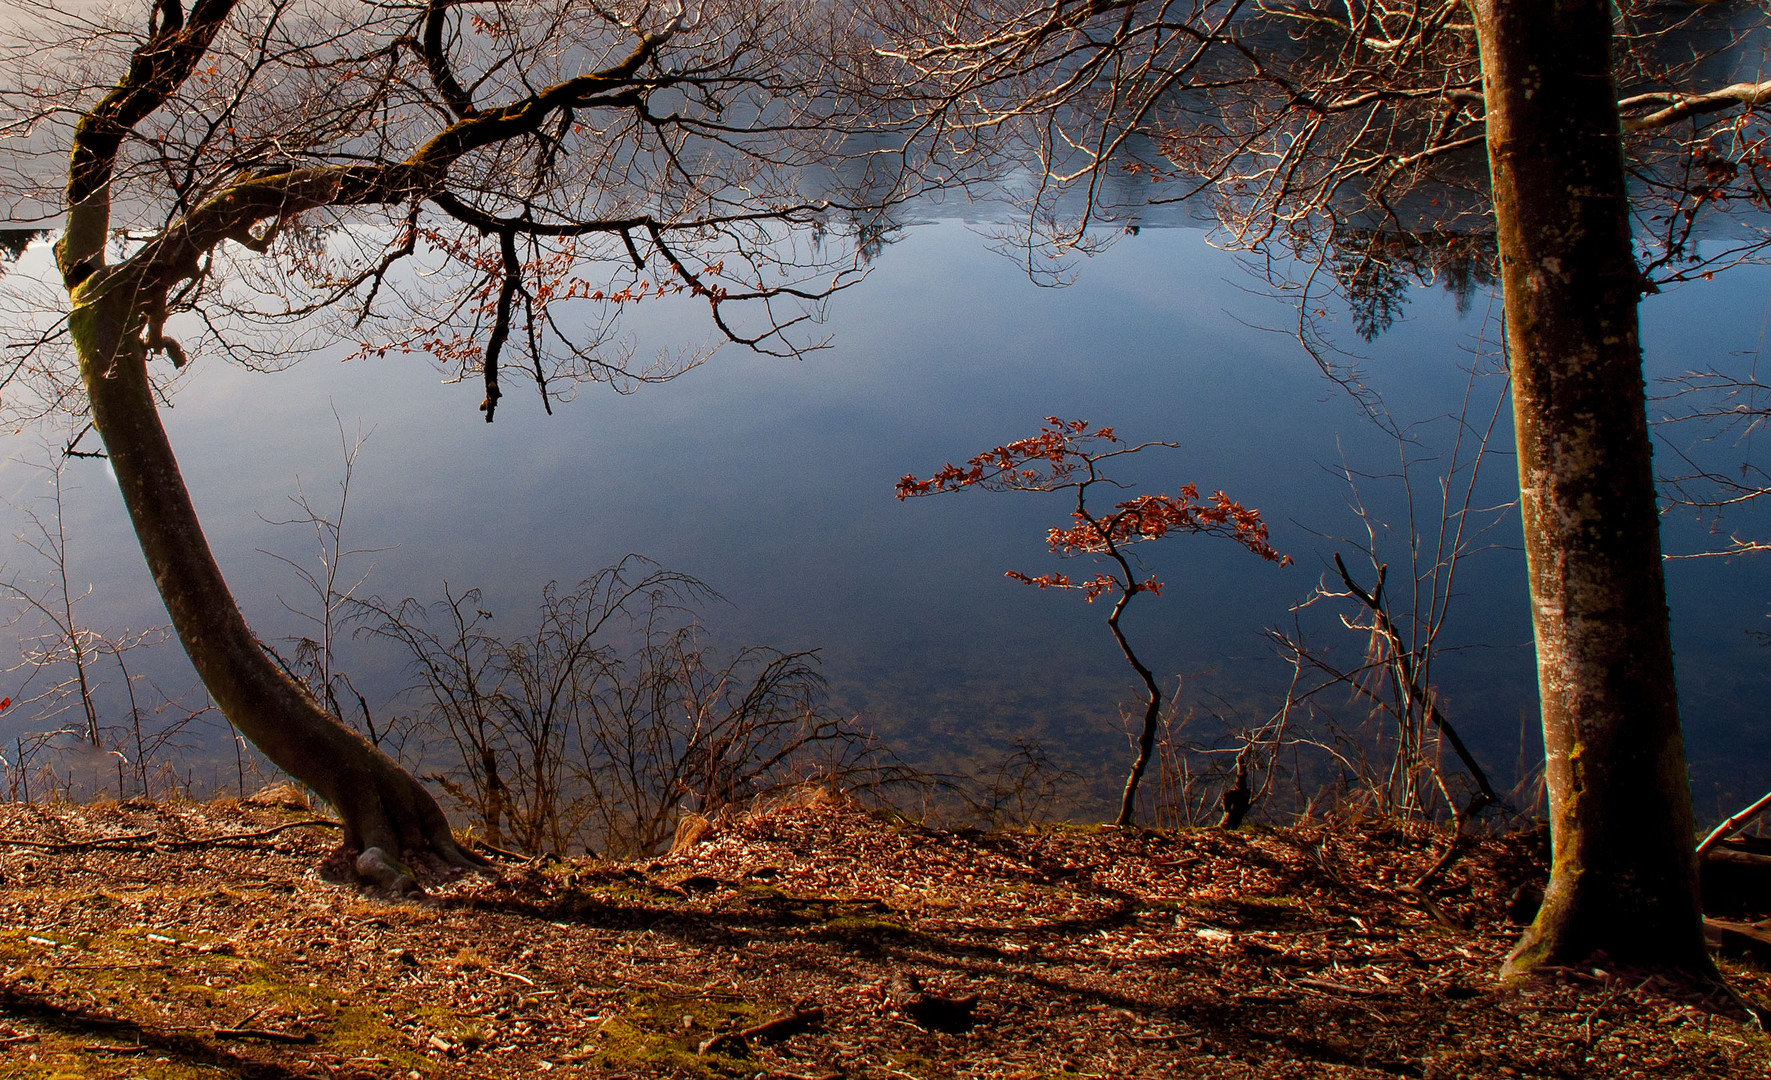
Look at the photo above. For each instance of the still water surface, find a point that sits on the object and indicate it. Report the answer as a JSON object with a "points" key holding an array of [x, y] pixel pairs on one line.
{"points": [[772, 481]]}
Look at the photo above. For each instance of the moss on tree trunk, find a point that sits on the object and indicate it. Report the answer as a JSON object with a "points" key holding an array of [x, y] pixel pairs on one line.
{"points": [[382, 805]]}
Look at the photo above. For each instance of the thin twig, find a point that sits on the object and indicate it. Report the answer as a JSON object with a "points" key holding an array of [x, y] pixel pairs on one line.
{"points": [[235, 838], [151, 839], [1733, 824], [264, 1034], [54, 846], [1406, 674], [786, 1024], [1342, 988]]}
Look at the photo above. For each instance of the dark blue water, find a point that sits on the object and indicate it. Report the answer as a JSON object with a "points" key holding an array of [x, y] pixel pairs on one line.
{"points": [[772, 480]]}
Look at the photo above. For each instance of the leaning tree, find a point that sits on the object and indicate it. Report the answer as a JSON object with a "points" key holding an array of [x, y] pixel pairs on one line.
{"points": [[1302, 124], [488, 182]]}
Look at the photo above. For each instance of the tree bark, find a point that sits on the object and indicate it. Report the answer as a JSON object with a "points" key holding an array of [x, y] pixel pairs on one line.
{"points": [[116, 314], [381, 804], [1623, 884]]}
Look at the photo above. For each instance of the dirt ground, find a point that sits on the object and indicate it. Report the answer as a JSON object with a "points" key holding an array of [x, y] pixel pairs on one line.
{"points": [[810, 940]]}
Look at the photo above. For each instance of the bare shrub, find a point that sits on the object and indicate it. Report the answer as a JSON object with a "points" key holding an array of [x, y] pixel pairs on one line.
{"points": [[1391, 748], [612, 716], [71, 676], [327, 604], [1026, 787]]}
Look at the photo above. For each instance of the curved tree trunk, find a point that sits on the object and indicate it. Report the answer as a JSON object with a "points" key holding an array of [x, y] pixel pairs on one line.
{"points": [[116, 312], [1128, 800], [1623, 886], [381, 804]]}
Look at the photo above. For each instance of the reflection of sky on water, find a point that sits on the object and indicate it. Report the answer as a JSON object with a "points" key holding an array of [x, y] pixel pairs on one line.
{"points": [[772, 481]]}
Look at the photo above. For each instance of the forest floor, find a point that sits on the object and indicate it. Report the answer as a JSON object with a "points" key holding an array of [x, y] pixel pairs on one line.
{"points": [[810, 940]]}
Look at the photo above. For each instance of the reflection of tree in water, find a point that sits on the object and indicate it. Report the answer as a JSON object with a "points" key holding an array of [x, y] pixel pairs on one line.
{"points": [[13, 243], [865, 229], [1376, 267]]}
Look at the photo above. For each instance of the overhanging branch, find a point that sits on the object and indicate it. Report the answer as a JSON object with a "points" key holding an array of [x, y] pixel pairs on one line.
{"points": [[1674, 107]]}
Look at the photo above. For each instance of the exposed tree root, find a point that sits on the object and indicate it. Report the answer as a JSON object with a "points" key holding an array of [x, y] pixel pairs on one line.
{"points": [[1712, 995]]}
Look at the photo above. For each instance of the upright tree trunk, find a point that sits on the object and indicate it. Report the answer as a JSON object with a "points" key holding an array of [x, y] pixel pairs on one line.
{"points": [[382, 805], [1622, 885]]}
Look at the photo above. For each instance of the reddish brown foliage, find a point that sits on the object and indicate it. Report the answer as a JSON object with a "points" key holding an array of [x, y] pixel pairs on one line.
{"points": [[1066, 455]]}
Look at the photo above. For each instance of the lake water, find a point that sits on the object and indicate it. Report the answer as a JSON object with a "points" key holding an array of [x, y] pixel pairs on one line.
{"points": [[772, 481]]}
